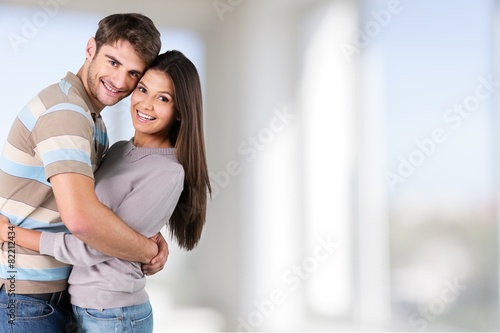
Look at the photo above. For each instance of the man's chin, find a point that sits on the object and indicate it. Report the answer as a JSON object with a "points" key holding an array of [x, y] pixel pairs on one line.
{"points": [[110, 101]]}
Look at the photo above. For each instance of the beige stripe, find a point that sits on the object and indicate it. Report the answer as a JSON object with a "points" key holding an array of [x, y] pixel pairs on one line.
{"points": [[17, 137], [36, 107], [52, 95], [37, 287], [46, 215], [25, 190], [69, 166], [19, 209], [19, 156], [19, 250], [38, 261], [63, 142], [15, 207]]}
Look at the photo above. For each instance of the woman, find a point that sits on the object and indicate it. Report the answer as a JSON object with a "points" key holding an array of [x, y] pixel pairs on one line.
{"points": [[160, 176]]}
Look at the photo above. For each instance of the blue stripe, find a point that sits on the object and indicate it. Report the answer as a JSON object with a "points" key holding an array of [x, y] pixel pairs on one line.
{"points": [[100, 137], [12, 168], [27, 118], [65, 86], [43, 226], [36, 274], [29, 223], [68, 107], [13, 219], [66, 154]]}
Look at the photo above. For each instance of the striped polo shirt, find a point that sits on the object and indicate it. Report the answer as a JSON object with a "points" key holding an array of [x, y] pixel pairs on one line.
{"points": [[56, 132]]}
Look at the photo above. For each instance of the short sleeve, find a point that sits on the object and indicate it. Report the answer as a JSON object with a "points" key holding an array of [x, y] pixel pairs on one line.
{"points": [[63, 139]]}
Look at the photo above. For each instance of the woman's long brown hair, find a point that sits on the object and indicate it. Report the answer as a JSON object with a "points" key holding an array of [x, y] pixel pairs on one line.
{"points": [[187, 135]]}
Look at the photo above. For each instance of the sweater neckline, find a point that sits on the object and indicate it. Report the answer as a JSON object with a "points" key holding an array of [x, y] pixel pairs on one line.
{"points": [[139, 152]]}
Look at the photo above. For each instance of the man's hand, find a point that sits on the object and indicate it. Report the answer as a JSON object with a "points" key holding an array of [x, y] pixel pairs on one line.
{"points": [[158, 262], [4, 229]]}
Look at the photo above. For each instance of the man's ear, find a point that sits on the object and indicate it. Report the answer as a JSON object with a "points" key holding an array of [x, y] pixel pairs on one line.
{"points": [[91, 48]]}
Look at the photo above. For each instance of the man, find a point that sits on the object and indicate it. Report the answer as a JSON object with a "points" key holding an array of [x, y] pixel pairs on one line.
{"points": [[46, 175]]}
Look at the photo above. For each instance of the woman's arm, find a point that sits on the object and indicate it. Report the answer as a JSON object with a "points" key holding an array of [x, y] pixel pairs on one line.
{"points": [[69, 249], [24, 237]]}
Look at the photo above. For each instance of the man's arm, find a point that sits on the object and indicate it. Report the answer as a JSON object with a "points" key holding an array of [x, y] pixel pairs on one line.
{"points": [[94, 223]]}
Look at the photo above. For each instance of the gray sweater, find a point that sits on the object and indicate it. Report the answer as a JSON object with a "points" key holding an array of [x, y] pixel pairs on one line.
{"points": [[142, 186]]}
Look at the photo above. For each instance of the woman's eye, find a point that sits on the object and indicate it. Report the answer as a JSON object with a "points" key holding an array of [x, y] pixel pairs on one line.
{"points": [[163, 99], [141, 89]]}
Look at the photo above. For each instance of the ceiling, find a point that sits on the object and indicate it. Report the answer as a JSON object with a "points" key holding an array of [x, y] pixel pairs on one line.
{"points": [[198, 15]]}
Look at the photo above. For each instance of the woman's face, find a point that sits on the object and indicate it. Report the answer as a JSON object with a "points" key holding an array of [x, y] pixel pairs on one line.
{"points": [[152, 108]]}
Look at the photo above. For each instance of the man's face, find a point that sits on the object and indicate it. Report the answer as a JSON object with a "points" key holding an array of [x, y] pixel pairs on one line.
{"points": [[113, 73]]}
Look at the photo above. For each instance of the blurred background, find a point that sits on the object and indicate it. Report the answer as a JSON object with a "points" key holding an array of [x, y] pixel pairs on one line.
{"points": [[352, 148]]}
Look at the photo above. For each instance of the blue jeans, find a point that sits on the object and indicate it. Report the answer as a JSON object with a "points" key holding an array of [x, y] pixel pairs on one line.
{"points": [[26, 314], [129, 319]]}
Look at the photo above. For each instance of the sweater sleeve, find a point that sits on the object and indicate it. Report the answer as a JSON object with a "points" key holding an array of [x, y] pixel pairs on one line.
{"points": [[70, 250]]}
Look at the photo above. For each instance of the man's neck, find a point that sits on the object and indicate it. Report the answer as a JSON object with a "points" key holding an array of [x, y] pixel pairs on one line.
{"points": [[96, 106]]}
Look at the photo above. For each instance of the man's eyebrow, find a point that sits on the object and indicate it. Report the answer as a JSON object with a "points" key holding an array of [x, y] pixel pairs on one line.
{"points": [[113, 58], [137, 72], [119, 63]]}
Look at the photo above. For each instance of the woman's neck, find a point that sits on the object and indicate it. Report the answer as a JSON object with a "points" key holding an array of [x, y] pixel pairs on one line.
{"points": [[151, 142]]}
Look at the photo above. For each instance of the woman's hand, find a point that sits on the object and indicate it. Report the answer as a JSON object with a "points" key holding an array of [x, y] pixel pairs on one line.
{"points": [[6, 230], [158, 262]]}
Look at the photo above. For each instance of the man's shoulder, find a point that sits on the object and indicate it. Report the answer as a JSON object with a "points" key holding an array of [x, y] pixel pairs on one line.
{"points": [[69, 90]]}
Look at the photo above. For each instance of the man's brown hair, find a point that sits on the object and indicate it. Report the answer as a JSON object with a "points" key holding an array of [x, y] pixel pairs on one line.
{"points": [[137, 29]]}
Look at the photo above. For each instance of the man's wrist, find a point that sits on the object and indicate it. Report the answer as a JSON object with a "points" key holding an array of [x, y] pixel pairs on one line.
{"points": [[151, 250]]}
